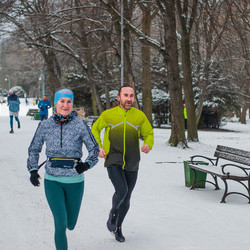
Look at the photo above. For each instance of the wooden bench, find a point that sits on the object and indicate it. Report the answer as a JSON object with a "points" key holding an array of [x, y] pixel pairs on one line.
{"points": [[234, 169], [31, 112]]}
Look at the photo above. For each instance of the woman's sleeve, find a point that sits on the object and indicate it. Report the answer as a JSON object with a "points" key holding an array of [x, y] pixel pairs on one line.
{"points": [[91, 145], [35, 148]]}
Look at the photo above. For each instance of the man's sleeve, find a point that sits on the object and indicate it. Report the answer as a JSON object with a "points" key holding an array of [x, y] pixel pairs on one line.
{"points": [[147, 132], [96, 129]]}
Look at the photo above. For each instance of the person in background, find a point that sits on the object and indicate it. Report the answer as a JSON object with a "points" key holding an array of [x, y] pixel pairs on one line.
{"points": [[26, 101], [185, 115], [64, 134], [14, 106], [44, 105], [123, 126]]}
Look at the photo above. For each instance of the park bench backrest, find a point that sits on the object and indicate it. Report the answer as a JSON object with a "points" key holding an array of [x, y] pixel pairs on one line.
{"points": [[232, 154]]}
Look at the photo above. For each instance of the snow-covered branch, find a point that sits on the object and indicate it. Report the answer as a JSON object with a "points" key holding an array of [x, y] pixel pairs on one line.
{"points": [[142, 36], [69, 51]]}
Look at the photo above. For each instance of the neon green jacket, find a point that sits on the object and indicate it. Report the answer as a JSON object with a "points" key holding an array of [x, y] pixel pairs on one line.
{"points": [[185, 112], [121, 137]]}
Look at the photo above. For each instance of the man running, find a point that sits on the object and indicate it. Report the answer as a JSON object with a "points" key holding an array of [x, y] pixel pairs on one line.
{"points": [[124, 125], [44, 105]]}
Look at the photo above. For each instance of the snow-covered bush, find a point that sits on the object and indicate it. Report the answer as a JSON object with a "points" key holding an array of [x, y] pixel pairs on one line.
{"points": [[19, 91]]}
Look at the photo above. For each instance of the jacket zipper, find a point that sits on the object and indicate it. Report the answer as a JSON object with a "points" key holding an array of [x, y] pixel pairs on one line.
{"points": [[61, 135], [124, 140]]}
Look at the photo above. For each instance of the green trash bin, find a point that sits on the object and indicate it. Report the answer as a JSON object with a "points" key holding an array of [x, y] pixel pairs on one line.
{"points": [[189, 175], [37, 116]]}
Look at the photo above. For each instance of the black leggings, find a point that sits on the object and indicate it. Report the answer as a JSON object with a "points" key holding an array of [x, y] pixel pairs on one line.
{"points": [[124, 183]]}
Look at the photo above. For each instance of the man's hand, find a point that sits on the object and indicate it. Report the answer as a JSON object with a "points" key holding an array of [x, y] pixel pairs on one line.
{"points": [[145, 148], [102, 153]]}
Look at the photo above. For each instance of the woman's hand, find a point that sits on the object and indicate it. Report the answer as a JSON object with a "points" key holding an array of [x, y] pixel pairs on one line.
{"points": [[34, 178], [82, 167]]}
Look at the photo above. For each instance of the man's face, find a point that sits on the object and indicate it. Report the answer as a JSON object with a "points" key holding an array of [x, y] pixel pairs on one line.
{"points": [[126, 98], [44, 98]]}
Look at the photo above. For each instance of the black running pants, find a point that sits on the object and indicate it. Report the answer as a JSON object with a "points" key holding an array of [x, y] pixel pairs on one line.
{"points": [[124, 183]]}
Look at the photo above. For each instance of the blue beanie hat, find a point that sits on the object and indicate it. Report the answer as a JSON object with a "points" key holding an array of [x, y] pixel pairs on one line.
{"points": [[63, 93]]}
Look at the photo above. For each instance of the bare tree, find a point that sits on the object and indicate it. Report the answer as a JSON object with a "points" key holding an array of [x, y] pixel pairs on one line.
{"points": [[208, 33], [147, 18], [31, 33], [114, 8], [186, 12], [239, 15], [170, 55]]}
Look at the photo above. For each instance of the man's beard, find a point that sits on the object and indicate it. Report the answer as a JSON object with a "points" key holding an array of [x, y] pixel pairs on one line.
{"points": [[124, 105]]}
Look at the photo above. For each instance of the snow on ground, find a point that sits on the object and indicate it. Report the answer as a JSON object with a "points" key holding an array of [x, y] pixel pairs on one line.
{"points": [[164, 213]]}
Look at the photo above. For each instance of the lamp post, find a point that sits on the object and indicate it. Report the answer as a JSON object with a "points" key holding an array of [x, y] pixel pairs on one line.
{"points": [[7, 79], [41, 82], [122, 46]]}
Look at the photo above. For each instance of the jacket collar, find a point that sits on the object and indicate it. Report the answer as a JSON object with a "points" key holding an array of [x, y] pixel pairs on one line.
{"points": [[123, 111]]}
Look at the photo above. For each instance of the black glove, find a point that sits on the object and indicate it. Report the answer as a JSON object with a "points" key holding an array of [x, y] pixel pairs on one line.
{"points": [[41, 108], [81, 167], [34, 176]]}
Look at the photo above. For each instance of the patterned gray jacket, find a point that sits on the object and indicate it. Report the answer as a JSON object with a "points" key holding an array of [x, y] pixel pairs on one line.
{"points": [[62, 141]]}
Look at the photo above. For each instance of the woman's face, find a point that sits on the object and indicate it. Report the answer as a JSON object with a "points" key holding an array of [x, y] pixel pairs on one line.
{"points": [[64, 106]]}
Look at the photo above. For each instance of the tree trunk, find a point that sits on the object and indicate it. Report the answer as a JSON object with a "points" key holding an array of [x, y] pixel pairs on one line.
{"points": [[186, 27], [108, 103], [188, 90], [171, 58], [93, 97], [146, 74], [96, 100], [107, 78], [128, 72], [243, 114], [54, 71]]}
